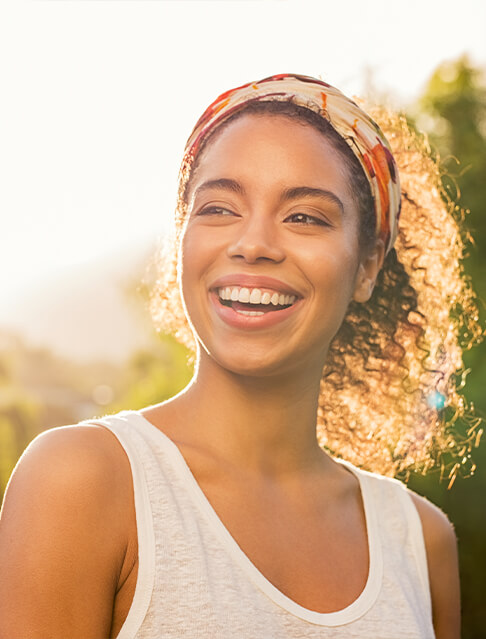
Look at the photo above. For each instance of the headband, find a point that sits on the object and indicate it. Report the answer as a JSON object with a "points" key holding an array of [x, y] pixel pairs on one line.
{"points": [[362, 134]]}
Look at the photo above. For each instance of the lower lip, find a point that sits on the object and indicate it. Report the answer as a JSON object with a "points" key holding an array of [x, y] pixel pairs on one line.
{"points": [[250, 322]]}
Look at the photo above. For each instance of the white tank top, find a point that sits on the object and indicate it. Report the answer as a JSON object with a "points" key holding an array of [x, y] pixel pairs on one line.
{"points": [[194, 581]]}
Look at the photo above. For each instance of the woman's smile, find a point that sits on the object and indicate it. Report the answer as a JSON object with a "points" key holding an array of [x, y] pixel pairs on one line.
{"points": [[252, 302], [270, 249]]}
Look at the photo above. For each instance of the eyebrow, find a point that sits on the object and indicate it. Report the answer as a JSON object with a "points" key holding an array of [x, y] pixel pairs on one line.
{"points": [[309, 191], [223, 184], [293, 193]]}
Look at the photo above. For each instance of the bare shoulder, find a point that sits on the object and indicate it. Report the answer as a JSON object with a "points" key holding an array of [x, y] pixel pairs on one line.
{"points": [[438, 530], [442, 561], [64, 534], [71, 462], [73, 471]]}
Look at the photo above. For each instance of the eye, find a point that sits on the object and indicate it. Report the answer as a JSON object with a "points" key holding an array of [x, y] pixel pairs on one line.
{"points": [[215, 210], [306, 219]]}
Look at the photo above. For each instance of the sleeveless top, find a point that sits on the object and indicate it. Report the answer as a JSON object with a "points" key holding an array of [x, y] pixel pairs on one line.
{"points": [[194, 581]]}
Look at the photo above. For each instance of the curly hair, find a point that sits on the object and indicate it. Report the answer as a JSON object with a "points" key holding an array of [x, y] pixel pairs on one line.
{"points": [[390, 398]]}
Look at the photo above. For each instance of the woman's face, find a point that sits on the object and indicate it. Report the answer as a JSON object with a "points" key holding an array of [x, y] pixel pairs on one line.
{"points": [[270, 253]]}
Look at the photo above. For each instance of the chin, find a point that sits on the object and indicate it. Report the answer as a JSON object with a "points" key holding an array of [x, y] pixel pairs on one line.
{"points": [[244, 363], [255, 363]]}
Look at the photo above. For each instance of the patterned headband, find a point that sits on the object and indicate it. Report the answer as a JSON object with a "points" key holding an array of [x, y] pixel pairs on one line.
{"points": [[363, 135]]}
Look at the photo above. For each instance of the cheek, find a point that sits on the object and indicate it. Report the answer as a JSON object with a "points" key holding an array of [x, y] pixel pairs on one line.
{"points": [[335, 259], [195, 258], [187, 266], [334, 281], [191, 250]]}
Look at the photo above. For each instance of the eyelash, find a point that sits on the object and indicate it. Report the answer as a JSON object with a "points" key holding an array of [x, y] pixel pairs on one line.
{"points": [[214, 210], [310, 219], [313, 219]]}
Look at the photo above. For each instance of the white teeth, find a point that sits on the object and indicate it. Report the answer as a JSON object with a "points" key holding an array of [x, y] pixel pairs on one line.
{"points": [[251, 313], [244, 295], [254, 296]]}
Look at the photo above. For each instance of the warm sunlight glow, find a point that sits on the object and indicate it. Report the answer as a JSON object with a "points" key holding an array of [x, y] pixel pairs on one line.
{"points": [[100, 98]]}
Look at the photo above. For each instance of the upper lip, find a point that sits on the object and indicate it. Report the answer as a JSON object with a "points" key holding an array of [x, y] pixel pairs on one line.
{"points": [[254, 281]]}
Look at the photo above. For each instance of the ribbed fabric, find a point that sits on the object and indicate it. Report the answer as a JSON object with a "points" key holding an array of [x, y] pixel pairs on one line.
{"points": [[194, 582]]}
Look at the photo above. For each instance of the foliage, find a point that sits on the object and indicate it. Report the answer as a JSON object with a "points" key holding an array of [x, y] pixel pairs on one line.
{"points": [[39, 390], [154, 376], [452, 110]]}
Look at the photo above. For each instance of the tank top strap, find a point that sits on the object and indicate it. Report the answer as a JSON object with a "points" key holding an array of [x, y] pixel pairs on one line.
{"points": [[398, 520], [417, 540], [124, 428]]}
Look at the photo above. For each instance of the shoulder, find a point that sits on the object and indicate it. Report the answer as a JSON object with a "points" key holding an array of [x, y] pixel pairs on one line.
{"points": [[438, 531], [64, 533], [441, 553], [75, 460], [78, 475], [439, 537], [442, 562]]}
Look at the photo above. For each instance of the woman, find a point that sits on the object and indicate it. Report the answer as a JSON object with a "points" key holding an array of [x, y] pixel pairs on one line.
{"points": [[217, 513]]}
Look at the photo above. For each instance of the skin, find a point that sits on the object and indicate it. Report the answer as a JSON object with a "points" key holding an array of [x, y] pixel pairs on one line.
{"points": [[246, 423]]}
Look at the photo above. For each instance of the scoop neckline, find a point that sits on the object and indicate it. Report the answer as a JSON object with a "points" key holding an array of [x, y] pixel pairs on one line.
{"points": [[352, 611]]}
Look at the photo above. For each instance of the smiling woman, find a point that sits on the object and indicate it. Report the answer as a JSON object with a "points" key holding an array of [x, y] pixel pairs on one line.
{"points": [[220, 511]]}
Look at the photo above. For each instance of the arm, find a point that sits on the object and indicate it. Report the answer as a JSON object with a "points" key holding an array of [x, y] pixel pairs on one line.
{"points": [[441, 548], [63, 536]]}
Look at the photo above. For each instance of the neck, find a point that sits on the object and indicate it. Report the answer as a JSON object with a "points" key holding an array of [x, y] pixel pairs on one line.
{"points": [[262, 424]]}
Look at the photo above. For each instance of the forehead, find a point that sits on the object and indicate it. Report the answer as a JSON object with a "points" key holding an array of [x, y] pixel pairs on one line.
{"points": [[274, 147]]}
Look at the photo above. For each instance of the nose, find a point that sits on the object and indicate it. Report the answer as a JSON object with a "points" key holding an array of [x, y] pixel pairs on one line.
{"points": [[256, 241]]}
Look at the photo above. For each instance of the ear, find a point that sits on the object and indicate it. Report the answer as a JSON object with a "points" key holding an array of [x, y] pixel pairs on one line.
{"points": [[368, 270]]}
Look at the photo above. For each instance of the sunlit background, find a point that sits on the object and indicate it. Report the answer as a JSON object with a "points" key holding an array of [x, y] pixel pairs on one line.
{"points": [[98, 98]]}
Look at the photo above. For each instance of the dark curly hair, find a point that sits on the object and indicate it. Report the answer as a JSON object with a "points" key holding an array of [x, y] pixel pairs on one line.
{"points": [[390, 386]]}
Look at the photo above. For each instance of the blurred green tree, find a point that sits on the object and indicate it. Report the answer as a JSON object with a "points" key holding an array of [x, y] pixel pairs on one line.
{"points": [[452, 111], [8, 451], [154, 375]]}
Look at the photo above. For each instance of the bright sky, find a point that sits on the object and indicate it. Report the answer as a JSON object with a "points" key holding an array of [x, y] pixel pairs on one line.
{"points": [[98, 97]]}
